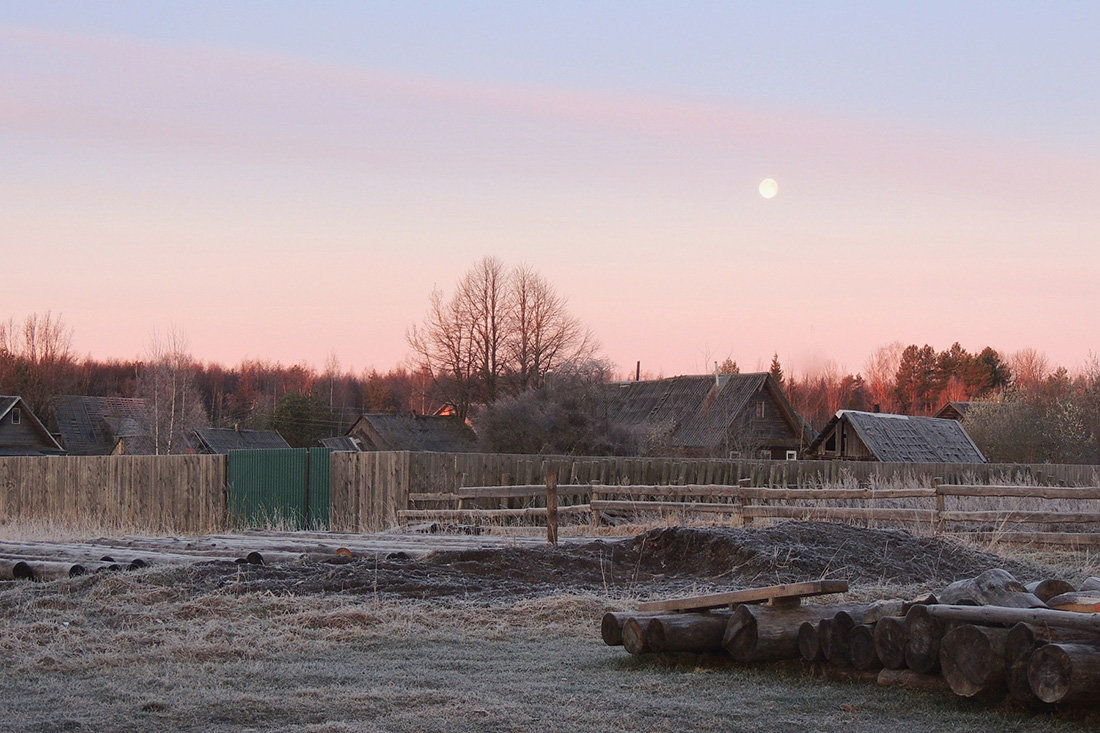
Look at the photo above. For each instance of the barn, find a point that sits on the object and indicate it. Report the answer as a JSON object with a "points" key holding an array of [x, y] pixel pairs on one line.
{"points": [[438, 433], [21, 433], [722, 415], [873, 436]]}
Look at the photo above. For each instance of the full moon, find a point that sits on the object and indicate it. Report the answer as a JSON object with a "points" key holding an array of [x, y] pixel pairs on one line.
{"points": [[769, 188]]}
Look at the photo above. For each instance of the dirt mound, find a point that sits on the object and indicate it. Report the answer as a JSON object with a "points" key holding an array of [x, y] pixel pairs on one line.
{"points": [[659, 562], [796, 551]]}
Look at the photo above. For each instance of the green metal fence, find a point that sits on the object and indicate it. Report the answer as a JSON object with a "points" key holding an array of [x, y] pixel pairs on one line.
{"points": [[279, 488]]}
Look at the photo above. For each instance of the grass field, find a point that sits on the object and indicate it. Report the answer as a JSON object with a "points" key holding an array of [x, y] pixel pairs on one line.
{"points": [[149, 651]]}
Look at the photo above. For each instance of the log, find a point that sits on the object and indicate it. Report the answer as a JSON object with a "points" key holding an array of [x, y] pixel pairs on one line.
{"points": [[825, 637], [972, 660], [687, 632], [911, 680], [890, 607], [861, 648], [836, 651], [923, 633], [1086, 622], [634, 635], [996, 587], [890, 638], [1022, 641], [1079, 601], [611, 626], [1091, 583], [768, 633], [15, 570], [1046, 589], [809, 646], [46, 571], [1065, 672]]}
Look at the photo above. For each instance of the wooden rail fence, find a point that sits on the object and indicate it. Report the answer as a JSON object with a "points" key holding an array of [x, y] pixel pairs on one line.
{"points": [[741, 505]]}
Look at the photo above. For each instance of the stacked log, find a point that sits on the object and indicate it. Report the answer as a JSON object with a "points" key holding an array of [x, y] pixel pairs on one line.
{"points": [[997, 642]]}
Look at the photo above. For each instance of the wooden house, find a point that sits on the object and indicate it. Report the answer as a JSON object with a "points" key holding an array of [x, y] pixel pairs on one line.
{"points": [[100, 426], [223, 440], [22, 433], [437, 433], [729, 415], [953, 410], [873, 436]]}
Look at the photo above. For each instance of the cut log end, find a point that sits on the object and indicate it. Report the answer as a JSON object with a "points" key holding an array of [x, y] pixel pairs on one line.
{"points": [[890, 641]]}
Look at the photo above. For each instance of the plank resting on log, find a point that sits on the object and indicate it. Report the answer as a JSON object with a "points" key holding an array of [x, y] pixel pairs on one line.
{"points": [[749, 595]]}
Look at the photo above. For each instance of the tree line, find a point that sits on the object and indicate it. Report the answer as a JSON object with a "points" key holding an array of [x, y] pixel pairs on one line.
{"points": [[502, 350]]}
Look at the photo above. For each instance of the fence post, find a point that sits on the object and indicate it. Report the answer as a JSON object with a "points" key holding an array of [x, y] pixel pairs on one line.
{"points": [[594, 495], [937, 526], [552, 506], [743, 484]]}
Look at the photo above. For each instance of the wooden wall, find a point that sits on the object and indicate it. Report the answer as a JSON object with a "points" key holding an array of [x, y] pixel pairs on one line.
{"points": [[183, 494], [369, 488]]}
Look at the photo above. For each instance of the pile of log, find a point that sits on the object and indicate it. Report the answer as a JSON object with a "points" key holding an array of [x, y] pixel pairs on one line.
{"points": [[987, 637]]}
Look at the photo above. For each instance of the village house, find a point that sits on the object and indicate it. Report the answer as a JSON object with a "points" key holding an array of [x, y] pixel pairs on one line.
{"points": [[22, 433], [223, 440], [436, 433], [721, 415], [100, 426], [874, 436]]}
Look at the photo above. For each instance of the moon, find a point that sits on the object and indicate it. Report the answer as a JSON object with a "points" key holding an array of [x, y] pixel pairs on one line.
{"points": [[769, 188]]}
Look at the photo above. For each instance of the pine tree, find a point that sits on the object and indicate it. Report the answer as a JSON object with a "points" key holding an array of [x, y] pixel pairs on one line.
{"points": [[776, 370]]}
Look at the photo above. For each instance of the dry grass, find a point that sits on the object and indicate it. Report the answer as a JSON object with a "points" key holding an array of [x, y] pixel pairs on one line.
{"points": [[140, 651]]}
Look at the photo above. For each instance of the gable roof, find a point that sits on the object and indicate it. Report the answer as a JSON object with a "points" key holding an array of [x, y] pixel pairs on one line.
{"points": [[9, 403], [696, 411], [88, 425], [908, 438], [435, 433], [340, 443], [223, 440]]}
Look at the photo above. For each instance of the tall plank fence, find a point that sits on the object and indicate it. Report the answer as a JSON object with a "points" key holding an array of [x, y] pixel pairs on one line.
{"points": [[163, 493]]}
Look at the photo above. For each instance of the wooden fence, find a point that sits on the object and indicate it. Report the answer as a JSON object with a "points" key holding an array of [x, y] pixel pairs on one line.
{"points": [[160, 493], [740, 505], [369, 489]]}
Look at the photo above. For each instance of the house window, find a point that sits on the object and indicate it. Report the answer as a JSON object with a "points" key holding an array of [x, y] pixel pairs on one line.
{"points": [[792, 455], [760, 408], [15, 416]]}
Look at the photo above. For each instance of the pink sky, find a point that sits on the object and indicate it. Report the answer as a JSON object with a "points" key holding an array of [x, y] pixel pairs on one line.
{"points": [[283, 208]]}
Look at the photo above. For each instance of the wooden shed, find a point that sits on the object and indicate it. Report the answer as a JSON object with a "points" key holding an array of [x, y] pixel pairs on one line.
{"points": [[22, 433], [727, 415], [872, 436], [438, 433]]}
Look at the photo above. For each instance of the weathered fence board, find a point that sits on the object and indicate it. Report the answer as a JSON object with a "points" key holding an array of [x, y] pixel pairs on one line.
{"points": [[163, 493]]}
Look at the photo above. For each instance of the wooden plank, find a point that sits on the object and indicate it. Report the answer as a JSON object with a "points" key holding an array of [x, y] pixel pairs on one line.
{"points": [[657, 506], [524, 491], [1027, 492], [416, 496], [1022, 516], [750, 595], [724, 491], [457, 514], [823, 512]]}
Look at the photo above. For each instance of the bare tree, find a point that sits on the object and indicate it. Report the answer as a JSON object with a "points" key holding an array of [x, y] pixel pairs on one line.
{"points": [[444, 353], [483, 295], [879, 374], [1030, 368], [36, 358], [167, 384], [541, 332]]}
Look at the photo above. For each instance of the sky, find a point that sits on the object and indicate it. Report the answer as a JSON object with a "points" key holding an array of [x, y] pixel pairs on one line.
{"points": [[290, 180]]}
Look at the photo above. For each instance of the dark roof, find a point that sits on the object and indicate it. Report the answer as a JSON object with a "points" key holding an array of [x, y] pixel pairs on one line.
{"points": [[436, 433], [87, 425], [951, 409], [694, 411], [49, 443], [907, 438], [340, 443], [223, 440]]}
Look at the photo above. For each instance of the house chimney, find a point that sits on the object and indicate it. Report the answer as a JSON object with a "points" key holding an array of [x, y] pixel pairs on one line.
{"points": [[877, 407], [638, 372], [716, 384]]}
